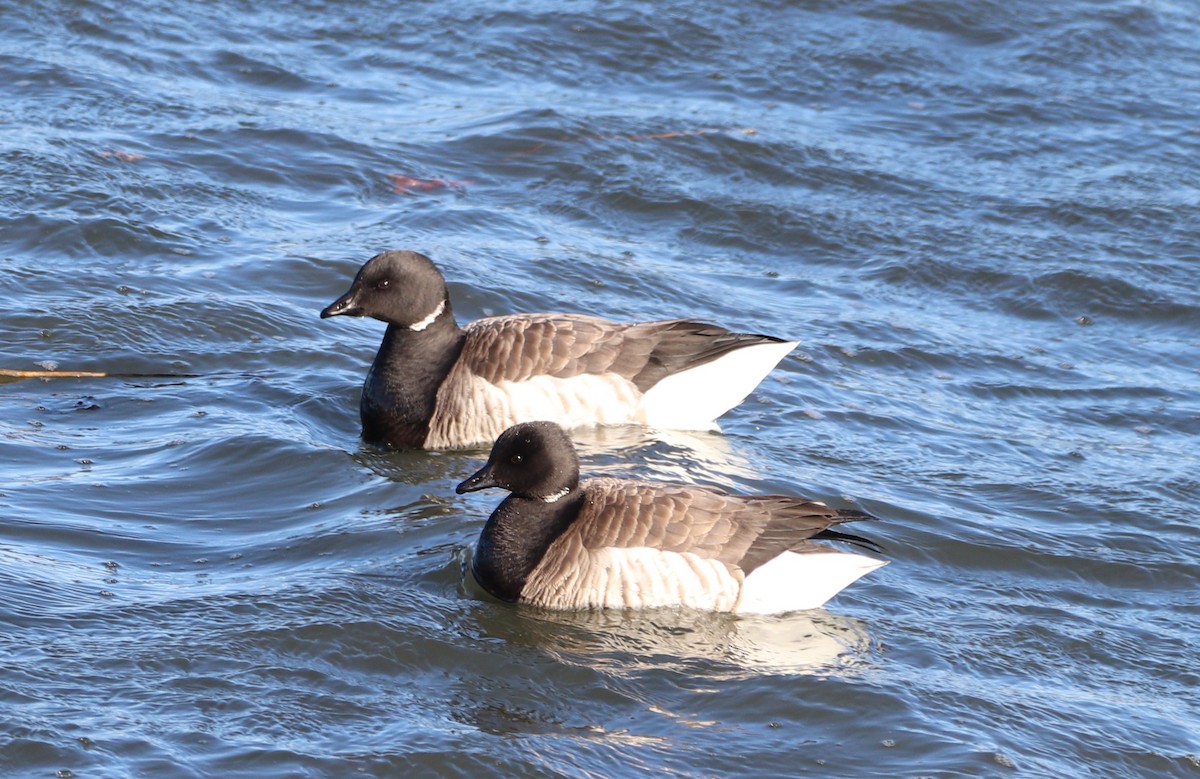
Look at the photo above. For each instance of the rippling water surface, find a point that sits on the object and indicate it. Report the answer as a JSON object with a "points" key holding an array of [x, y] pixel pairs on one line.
{"points": [[981, 220]]}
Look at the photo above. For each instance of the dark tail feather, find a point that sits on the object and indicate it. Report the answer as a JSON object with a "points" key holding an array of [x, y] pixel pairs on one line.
{"points": [[850, 515], [850, 538]]}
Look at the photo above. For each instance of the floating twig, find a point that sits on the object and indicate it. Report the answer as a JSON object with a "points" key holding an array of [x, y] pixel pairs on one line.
{"points": [[10, 373], [13, 374]]}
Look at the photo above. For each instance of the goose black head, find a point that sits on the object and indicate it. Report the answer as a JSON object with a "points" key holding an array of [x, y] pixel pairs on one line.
{"points": [[530, 460], [402, 288]]}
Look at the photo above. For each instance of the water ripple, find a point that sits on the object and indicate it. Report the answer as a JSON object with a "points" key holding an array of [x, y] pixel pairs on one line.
{"points": [[978, 219]]}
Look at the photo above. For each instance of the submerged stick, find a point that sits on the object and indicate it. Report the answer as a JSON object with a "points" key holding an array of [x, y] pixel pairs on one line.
{"points": [[679, 134]]}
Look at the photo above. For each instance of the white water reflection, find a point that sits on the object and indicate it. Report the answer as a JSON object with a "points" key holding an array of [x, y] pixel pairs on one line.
{"points": [[685, 456], [708, 644]]}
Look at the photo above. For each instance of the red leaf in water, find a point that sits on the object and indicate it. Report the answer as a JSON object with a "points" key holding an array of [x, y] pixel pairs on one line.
{"points": [[123, 156], [404, 185]]}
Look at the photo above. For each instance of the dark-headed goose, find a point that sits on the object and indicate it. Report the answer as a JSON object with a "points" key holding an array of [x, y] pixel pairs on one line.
{"points": [[436, 385], [561, 543]]}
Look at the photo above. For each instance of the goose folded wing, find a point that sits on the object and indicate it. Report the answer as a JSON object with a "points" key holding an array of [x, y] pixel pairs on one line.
{"points": [[516, 348], [521, 347], [740, 531], [680, 344]]}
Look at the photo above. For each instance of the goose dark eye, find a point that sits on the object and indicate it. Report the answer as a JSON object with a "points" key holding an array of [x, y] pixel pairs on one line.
{"points": [[515, 459], [382, 284]]}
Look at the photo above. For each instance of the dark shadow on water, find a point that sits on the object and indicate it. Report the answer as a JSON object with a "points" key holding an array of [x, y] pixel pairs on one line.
{"points": [[413, 466]]}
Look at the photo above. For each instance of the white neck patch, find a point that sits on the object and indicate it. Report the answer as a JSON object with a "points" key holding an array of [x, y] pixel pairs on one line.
{"points": [[427, 321], [557, 496]]}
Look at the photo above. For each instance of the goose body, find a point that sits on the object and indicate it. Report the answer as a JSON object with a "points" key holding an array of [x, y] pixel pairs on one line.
{"points": [[436, 385], [562, 543]]}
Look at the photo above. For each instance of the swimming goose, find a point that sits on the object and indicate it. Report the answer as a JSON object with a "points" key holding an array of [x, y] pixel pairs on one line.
{"points": [[436, 385], [561, 543]]}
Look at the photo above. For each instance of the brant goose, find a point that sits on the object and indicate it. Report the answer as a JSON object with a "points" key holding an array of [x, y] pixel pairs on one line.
{"points": [[436, 385], [561, 543]]}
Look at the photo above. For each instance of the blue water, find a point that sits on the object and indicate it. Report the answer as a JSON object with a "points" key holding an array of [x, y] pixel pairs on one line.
{"points": [[980, 219]]}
